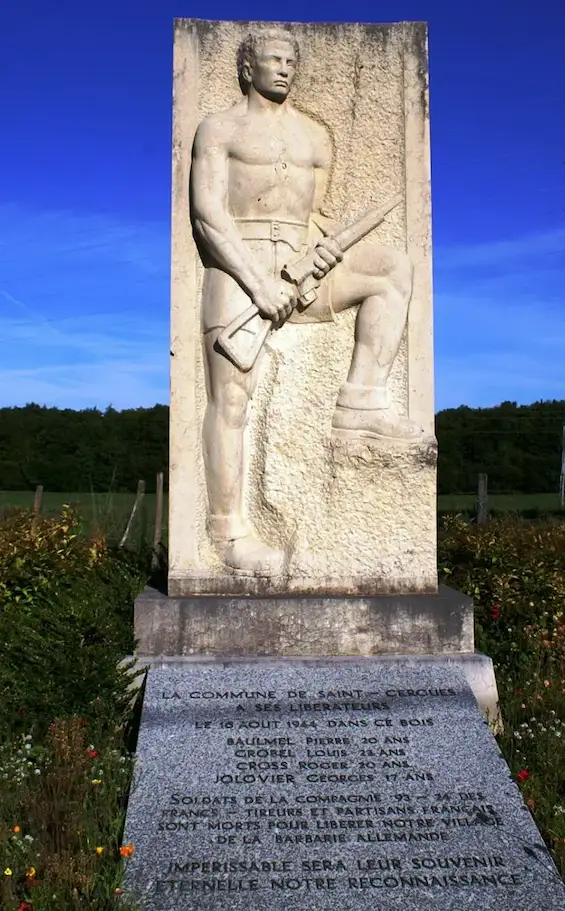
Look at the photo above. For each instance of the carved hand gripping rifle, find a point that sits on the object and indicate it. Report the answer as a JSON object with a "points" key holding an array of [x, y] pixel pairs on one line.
{"points": [[244, 337]]}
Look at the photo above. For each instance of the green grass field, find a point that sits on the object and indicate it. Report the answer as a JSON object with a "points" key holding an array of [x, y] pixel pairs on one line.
{"points": [[110, 511], [512, 502]]}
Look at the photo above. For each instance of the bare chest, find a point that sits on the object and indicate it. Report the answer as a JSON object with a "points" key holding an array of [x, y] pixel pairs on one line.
{"points": [[267, 144]]}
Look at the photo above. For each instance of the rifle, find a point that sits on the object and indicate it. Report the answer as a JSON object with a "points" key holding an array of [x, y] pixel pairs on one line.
{"points": [[243, 347]]}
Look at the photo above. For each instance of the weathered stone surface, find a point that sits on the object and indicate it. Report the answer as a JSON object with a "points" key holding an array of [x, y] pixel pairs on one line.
{"points": [[437, 623], [330, 785], [346, 515]]}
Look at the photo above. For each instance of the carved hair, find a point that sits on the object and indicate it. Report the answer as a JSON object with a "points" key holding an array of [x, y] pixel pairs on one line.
{"points": [[249, 49]]}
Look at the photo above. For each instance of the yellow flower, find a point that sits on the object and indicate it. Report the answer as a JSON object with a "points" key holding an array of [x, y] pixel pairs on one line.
{"points": [[30, 872], [16, 829], [7, 872], [99, 851], [96, 781]]}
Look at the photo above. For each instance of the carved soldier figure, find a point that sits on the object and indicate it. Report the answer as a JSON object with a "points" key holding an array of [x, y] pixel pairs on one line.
{"points": [[259, 176]]}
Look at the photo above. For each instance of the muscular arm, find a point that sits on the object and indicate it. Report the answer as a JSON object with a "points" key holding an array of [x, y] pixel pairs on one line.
{"points": [[322, 165], [212, 221], [328, 251]]}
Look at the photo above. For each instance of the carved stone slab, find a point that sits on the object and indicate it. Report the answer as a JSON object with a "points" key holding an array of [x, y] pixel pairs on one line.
{"points": [[347, 515], [327, 785]]}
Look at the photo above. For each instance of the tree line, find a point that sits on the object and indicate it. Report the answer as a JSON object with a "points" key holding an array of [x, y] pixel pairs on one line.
{"points": [[518, 446]]}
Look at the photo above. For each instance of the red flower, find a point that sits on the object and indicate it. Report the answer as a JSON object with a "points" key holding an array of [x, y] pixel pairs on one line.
{"points": [[93, 754], [25, 906], [495, 611], [523, 775]]}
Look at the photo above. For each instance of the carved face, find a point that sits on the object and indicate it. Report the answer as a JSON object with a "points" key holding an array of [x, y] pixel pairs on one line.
{"points": [[273, 70]]}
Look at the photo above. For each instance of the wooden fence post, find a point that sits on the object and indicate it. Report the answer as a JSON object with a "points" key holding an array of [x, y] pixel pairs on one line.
{"points": [[37, 499], [36, 507], [158, 530], [138, 499], [482, 500]]}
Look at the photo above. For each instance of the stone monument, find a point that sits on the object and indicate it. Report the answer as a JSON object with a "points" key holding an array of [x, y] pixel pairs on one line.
{"points": [[310, 735], [302, 448], [302, 492]]}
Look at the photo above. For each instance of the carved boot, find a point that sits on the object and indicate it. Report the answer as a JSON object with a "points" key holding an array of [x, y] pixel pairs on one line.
{"points": [[364, 411], [239, 549]]}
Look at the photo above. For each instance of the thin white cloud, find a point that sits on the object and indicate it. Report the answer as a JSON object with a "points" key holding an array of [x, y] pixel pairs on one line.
{"points": [[500, 322], [119, 385], [487, 379], [85, 367], [502, 252], [84, 314]]}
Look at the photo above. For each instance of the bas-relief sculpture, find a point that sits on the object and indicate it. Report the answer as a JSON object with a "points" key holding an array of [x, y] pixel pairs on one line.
{"points": [[258, 181]]}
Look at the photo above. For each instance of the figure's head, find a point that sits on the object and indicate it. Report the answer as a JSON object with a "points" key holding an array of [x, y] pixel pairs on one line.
{"points": [[268, 60]]}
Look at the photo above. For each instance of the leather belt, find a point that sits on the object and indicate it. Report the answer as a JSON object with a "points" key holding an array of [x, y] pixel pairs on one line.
{"points": [[293, 233]]}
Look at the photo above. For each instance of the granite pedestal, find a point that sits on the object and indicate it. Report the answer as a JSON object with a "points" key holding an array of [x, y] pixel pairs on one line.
{"points": [[425, 624], [346, 784], [438, 625]]}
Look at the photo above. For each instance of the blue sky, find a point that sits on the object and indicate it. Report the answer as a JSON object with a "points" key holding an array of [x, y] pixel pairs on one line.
{"points": [[85, 95]]}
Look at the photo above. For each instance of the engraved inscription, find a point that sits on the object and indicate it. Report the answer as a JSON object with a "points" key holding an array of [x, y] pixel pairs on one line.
{"points": [[333, 791]]}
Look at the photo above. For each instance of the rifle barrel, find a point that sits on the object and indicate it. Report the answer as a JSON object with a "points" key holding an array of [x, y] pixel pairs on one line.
{"points": [[359, 229]]}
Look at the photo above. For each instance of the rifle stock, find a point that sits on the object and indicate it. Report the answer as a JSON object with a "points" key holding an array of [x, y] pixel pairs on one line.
{"points": [[243, 347]]}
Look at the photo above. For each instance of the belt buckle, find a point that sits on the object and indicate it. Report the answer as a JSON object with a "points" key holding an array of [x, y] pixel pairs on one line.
{"points": [[275, 230]]}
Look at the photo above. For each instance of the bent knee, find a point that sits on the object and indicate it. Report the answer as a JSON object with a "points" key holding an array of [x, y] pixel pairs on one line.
{"points": [[400, 270], [232, 405], [389, 265]]}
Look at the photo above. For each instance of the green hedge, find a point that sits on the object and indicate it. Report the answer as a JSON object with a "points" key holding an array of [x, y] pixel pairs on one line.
{"points": [[515, 572], [66, 604]]}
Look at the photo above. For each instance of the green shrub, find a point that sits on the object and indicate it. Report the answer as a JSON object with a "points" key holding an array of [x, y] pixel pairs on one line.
{"points": [[515, 572], [65, 712], [65, 623]]}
